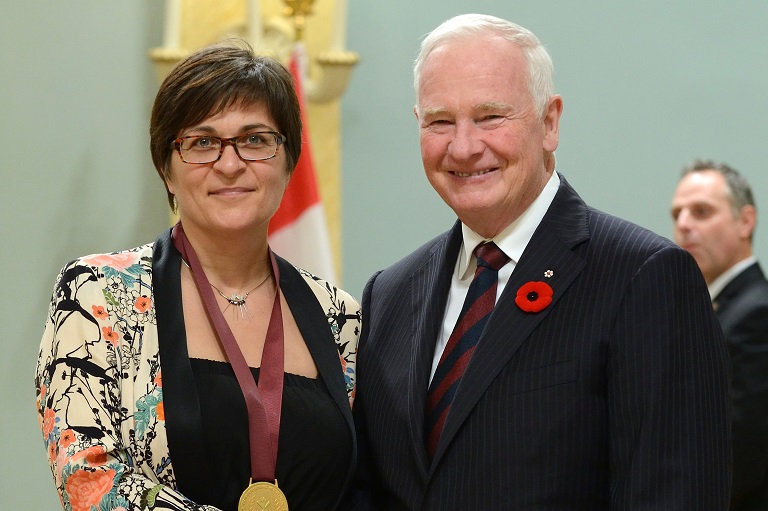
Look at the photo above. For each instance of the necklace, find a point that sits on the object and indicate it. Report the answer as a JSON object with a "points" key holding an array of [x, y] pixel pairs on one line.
{"points": [[263, 398], [236, 299], [239, 300]]}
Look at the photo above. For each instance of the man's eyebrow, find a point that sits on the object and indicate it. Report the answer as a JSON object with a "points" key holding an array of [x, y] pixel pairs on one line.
{"points": [[493, 106], [432, 111]]}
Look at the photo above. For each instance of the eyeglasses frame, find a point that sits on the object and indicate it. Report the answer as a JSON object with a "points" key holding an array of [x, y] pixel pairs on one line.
{"points": [[279, 140]]}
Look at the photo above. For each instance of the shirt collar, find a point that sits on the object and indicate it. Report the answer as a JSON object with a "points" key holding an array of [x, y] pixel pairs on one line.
{"points": [[728, 275], [515, 237]]}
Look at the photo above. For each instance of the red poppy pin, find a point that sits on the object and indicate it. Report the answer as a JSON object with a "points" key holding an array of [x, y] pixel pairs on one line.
{"points": [[534, 296]]}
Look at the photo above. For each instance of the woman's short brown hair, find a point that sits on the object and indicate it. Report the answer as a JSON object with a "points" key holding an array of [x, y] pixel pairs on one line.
{"points": [[213, 79]]}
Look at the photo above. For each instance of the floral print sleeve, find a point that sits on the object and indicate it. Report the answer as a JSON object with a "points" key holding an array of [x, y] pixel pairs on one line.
{"points": [[99, 388], [344, 316]]}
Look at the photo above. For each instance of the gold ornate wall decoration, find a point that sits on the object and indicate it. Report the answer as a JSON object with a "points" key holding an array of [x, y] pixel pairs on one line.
{"points": [[273, 27]]}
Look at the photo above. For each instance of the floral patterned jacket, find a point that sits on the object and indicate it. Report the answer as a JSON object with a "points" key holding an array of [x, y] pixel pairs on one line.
{"points": [[101, 385]]}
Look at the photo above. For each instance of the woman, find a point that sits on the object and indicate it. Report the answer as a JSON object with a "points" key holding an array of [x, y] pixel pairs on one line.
{"points": [[146, 378]]}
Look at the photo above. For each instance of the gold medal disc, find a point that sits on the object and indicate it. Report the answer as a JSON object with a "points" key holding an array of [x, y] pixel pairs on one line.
{"points": [[262, 497]]}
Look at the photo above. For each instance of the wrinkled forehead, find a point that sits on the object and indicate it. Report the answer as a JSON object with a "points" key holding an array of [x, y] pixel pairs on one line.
{"points": [[485, 58]]}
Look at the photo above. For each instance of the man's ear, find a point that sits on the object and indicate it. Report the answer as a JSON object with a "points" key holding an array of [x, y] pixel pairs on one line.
{"points": [[552, 123], [747, 221]]}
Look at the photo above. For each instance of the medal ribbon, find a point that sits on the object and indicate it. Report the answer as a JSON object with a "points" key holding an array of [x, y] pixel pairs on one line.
{"points": [[263, 400]]}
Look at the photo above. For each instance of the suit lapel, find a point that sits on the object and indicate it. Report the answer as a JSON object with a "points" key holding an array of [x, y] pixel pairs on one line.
{"points": [[428, 294], [752, 273], [550, 248]]}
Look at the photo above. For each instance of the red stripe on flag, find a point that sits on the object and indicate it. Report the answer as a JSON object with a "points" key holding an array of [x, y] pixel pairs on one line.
{"points": [[302, 191]]}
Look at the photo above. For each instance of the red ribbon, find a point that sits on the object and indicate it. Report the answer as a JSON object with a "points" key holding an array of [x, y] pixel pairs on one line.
{"points": [[263, 400]]}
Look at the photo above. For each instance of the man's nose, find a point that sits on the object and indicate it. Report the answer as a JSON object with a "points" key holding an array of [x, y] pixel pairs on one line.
{"points": [[467, 141], [683, 220]]}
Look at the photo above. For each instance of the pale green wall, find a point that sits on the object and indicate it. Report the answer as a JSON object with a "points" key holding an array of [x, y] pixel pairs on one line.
{"points": [[647, 86], [75, 92]]}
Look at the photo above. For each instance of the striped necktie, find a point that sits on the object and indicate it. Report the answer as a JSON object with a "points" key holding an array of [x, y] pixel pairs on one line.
{"points": [[478, 305]]}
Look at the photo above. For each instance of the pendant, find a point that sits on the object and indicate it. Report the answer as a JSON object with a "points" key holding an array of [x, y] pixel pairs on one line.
{"points": [[239, 302], [262, 496]]}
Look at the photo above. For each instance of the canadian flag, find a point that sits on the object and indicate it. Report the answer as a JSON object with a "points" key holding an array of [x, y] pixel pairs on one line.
{"points": [[298, 231]]}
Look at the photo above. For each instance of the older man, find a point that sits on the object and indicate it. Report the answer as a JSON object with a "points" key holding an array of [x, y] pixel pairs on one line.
{"points": [[715, 217], [539, 355]]}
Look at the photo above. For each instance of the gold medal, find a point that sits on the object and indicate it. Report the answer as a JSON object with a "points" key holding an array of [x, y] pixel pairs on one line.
{"points": [[262, 497]]}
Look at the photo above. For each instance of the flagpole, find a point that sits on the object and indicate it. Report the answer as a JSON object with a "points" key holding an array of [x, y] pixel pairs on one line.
{"points": [[172, 34], [339, 26], [254, 23]]}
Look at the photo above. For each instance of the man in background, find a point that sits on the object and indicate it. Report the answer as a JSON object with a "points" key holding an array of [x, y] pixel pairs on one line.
{"points": [[715, 218], [540, 354]]}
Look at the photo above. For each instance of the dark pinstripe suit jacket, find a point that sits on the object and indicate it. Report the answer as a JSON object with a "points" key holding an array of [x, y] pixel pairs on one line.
{"points": [[742, 308], [613, 397]]}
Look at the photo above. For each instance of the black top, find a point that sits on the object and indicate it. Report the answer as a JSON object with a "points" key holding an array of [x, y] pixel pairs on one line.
{"points": [[187, 413], [313, 451]]}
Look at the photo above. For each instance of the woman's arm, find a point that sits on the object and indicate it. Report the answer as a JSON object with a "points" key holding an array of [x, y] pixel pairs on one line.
{"points": [[99, 398]]}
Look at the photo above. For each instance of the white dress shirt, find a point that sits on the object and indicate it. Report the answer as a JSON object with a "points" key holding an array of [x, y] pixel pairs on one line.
{"points": [[512, 241], [728, 275]]}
